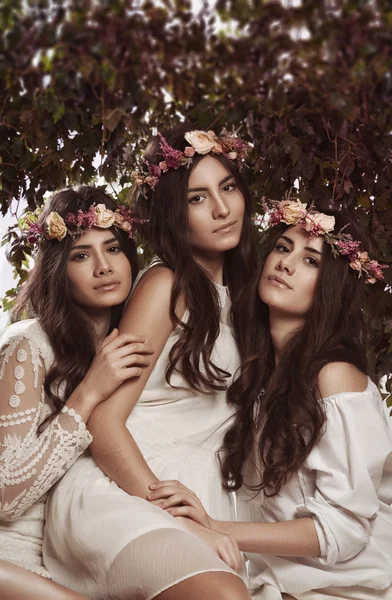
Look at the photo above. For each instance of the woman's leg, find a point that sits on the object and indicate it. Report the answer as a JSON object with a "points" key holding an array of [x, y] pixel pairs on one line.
{"points": [[208, 586], [171, 564], [17, 583]]}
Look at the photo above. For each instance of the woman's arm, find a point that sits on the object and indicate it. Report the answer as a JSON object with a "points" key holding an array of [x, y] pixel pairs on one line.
{"points": [[30, 463], [114, 449], [287, 538]]}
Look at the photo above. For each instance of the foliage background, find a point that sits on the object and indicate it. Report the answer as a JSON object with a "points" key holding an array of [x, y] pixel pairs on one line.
{"points": [[83, 82]]}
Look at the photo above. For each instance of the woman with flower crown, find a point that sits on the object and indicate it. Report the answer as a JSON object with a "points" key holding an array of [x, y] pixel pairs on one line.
{"points": [[197, 209], [310, 451], [57, 366]]}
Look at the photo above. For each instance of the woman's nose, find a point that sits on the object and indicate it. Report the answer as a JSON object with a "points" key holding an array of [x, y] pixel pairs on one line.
{"points": [[221, 210], [286, 264]]}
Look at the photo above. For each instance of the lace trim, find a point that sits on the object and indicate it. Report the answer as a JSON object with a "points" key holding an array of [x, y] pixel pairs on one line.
{"points": [[22, 553], [15, 418], [223, 293]]}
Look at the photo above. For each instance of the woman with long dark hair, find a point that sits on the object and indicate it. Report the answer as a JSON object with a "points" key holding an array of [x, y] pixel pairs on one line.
{"points": [[57, 365], [196, 209], [310, 452]]}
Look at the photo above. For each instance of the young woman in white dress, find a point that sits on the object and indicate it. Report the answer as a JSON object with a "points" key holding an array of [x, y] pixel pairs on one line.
{"points": [[172, 421], [317, 488], [56, 367]]}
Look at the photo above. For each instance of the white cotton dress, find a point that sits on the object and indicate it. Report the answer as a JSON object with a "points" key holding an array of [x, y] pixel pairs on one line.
{"points": [[345, 486], [30, 463], [104, 543]]}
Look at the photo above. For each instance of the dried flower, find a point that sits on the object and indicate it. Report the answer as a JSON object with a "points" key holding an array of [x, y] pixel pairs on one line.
{"points": [[292, 212], [105, 217], [56, 228], [203, 142], [189, 151]]}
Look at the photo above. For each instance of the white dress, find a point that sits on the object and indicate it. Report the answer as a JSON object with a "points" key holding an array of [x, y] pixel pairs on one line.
{"points": [[345, 485], [30, 463], [94, 528]]}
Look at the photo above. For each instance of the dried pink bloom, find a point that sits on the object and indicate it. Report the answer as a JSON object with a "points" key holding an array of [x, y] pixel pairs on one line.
{"points": [[189, 151], [154, 170], [349, 247], [171, 155], [70, 219], [151, 181], [33, 228], [85, 220]]}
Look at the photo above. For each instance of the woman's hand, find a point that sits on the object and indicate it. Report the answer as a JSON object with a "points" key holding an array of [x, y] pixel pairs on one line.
{"points": [[179, 501], [119, 358], [224, 545]]}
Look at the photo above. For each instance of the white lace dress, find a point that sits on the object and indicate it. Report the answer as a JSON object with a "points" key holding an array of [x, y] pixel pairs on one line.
{"points": [[345, 486], [102, 542], [30, 463]]}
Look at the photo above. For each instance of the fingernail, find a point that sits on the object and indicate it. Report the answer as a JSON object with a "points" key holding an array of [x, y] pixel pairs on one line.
{"points": [[152, 486]]}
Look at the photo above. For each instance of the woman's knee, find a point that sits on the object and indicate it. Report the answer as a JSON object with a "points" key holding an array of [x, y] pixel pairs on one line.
{"points": [[212, 585], [229, 587]]}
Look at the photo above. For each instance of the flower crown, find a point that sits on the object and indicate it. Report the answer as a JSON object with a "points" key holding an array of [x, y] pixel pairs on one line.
{"points": [[293, 212], [200, 142], [54, 227]]}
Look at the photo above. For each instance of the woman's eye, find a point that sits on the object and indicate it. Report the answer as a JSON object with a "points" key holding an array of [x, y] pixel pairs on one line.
{"points": [[196, 199], [79, 257], [281, 248], [115, 249], [312, 262], [229, 187]]}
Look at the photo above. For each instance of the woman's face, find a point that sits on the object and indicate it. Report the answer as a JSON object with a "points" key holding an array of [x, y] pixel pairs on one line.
{"points": [[98, 271], [288, 281], [215, 208]]}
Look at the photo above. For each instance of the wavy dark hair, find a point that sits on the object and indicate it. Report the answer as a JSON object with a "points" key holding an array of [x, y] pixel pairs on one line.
{"points": [[166, 209], [46, 296], [289, 418]]}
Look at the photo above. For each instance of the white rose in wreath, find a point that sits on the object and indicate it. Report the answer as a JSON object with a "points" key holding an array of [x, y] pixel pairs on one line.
{"points": [[105, 217], [203, 142]]}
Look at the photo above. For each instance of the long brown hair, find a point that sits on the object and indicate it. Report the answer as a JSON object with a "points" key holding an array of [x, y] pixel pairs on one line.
{"points": [[46, 296], [166, 209], [289, 419]]}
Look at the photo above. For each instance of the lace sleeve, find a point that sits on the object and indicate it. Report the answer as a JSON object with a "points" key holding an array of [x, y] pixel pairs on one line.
{"points": [[30, 463]]}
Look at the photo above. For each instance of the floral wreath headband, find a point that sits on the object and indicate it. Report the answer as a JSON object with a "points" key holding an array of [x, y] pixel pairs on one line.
{"points": [[54, 227], [200, 142], [293, 212]]}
